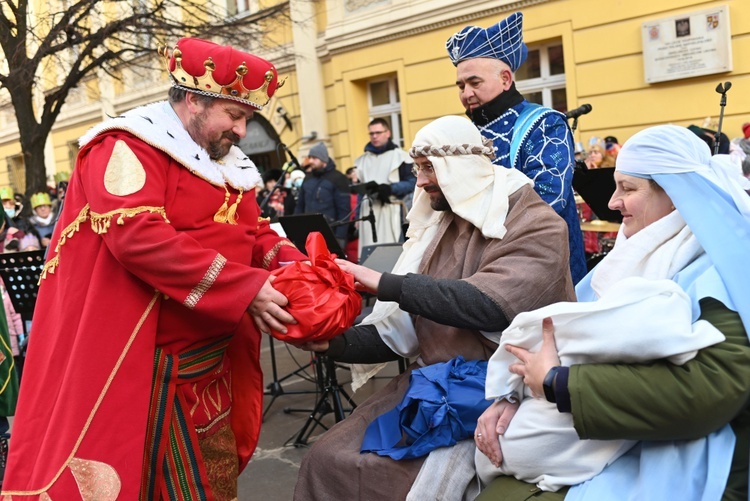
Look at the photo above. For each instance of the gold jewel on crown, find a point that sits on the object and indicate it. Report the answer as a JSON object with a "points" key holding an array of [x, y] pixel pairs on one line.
{"points": [[206, 83]]}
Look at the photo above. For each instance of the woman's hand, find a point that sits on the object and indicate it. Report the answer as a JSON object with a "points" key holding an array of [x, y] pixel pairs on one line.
{"points": [[533, 367], [491, 424], [365, 279]]}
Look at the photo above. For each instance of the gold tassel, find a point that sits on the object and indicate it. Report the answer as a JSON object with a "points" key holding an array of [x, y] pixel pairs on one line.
{"points": [[221, 214], [232, 212]]}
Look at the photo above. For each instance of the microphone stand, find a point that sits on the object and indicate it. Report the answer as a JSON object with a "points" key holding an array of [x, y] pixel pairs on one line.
{"points": [[369, 217], [574, 126], [721, 89]]}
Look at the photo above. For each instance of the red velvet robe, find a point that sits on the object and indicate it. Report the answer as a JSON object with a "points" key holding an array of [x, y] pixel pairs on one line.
{"points": [[132, 272]]}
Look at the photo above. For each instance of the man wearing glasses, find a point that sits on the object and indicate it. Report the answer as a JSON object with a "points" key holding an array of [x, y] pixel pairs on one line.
{"points": [[386, 169]]}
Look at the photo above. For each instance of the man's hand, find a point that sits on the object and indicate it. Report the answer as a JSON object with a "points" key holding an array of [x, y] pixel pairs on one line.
{"points": [[533, 367], [491, 424], [267, 309], [365, 279]]}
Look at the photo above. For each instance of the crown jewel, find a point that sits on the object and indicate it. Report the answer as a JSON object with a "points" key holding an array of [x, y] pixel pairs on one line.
{"points": [[206, 84]]}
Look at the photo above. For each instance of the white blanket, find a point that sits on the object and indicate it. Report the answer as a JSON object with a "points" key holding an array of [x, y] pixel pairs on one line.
{"points": [[637, 320]]}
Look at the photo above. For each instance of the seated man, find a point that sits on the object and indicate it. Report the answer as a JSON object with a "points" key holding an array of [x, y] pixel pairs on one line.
{"points": [[482, 247]]}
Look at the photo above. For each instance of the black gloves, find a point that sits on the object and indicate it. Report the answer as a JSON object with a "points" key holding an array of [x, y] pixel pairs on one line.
{"points": [[380, 191], [384, 193]]}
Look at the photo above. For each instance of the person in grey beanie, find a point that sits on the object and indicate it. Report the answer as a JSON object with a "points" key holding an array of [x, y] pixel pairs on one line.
{"points": [[325, 190]]}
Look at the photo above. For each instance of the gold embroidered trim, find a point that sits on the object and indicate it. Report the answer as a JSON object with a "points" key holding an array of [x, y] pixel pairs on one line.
{"points": [[96, 481], [68, 232], [272, 253], [97, 404], [206, 282], [100, 223], [261, 219], [213, 423]]}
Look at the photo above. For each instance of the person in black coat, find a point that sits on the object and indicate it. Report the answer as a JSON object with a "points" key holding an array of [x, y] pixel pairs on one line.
{"points": [[325, 190]]}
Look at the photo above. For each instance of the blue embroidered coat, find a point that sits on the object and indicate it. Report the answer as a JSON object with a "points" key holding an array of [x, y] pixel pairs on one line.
{"points": [[546, 156]]}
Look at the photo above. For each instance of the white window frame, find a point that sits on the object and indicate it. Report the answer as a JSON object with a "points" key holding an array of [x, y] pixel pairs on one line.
{"points": [[391, 110], [241, 7], [546, 83]]}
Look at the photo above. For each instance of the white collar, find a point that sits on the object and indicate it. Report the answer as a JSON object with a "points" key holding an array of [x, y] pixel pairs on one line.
{"points": [[158, 125]]}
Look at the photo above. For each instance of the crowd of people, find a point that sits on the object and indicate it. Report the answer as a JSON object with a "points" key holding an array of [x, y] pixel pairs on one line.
{"points": [[547, 380]]}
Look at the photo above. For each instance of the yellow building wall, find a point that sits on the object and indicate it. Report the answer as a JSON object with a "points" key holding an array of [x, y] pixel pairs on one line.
{"points": [[603, 62], [603, 65]]}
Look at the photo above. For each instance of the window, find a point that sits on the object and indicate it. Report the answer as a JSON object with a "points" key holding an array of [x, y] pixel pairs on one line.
{"points": [[384, 102], [239, 7], [541, 79], [17, 173], [72, 153]]}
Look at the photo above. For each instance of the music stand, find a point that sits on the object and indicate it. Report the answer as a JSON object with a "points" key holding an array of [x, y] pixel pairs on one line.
{"points": [[20, 272], [329, 400], [297, 228], [596, 187]]}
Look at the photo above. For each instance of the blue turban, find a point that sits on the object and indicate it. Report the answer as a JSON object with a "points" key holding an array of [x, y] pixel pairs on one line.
{"points": [[503, 41]]}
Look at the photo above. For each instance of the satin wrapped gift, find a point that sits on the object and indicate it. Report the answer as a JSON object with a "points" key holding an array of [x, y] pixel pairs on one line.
{"points": [[321, 296], [440, 407]]}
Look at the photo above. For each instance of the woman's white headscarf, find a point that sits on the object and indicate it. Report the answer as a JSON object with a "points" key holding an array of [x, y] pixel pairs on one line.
{"points": [[706, 191]]}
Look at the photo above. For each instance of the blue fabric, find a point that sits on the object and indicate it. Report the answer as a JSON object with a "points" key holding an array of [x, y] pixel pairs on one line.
{"points": [[665, 470], [440, 407], [727, 244], [503, 41], [546, 155]]}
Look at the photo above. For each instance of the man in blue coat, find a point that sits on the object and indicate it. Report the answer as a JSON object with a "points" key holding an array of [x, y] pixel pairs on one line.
{"points": [[533, 139]]}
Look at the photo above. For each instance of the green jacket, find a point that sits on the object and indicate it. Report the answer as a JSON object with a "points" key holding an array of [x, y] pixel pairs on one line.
{"points": [[665, 402]]}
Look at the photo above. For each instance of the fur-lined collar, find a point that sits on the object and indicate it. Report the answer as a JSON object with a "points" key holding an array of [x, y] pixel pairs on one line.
{"points": [[158, 125]]}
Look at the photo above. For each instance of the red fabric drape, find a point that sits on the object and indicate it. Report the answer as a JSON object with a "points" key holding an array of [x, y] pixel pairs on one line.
{"points": [[321, 296]]}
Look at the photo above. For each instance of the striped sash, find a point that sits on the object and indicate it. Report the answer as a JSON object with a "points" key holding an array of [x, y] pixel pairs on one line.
{"points": [[171, 455]]}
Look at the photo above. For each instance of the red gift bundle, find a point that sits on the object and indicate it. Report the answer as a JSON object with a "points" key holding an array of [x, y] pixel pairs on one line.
{"points": [[321, 296]]}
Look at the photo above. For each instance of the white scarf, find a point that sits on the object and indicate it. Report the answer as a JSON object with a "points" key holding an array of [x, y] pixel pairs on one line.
{"points": [[658, 251]]}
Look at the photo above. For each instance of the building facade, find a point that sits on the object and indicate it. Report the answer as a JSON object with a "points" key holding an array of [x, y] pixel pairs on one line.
{"points": [[348, 61]]}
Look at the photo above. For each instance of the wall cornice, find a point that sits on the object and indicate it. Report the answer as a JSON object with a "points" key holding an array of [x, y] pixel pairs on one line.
{"points": [[347, 35]]}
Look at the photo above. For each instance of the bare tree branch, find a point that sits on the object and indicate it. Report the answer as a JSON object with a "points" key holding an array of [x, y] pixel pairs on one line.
{"points": [[82, 37]]}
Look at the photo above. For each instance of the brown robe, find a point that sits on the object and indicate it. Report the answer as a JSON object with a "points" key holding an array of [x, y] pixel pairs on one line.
{"points": [[524, 271]]}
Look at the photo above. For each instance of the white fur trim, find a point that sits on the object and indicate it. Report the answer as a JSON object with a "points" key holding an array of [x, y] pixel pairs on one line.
{"points": [[158, 125]]}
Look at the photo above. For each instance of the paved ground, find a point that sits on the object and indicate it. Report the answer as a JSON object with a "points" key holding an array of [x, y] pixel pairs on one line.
{"points": [[272, 472]]}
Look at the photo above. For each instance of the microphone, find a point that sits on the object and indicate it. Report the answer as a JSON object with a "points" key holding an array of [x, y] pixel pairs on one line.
{"points": [[581, 110], [291, 155], [371, 218]]}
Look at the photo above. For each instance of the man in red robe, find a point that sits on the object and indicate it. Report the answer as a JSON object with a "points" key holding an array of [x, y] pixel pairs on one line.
{"points": [[142, 377]]}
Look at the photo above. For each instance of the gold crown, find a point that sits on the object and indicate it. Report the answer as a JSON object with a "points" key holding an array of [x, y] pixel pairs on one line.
{"points": [[206, 84]]}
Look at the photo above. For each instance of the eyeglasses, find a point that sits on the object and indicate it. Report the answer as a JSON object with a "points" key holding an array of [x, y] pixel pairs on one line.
{"points": [[427, 169], [378, 132]]}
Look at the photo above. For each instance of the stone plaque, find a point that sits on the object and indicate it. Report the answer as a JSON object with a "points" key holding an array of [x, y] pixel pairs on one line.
{"points": [[687, 45]]}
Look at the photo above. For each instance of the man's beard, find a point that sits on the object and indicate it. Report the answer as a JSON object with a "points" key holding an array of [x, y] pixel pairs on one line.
{"points": [[438, 202], [216, 149], [219, 149]]}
